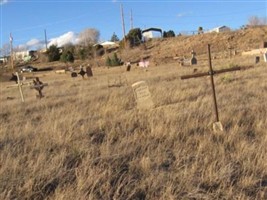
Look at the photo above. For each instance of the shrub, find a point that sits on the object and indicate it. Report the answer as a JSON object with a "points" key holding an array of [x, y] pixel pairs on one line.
{"points": [[170, 33], [67, 56], [53, 53], [114, 61], [134, 37], [114, 38]]}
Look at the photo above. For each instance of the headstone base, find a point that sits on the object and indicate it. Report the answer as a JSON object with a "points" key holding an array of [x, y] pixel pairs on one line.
{"points": [[217, 127]]}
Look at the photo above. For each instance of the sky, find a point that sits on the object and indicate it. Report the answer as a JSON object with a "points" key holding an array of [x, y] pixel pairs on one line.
{"points": [[63, 20]]}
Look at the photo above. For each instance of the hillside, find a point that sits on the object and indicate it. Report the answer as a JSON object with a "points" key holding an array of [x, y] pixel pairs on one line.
{"points": [[86, 139], [162, 51]]}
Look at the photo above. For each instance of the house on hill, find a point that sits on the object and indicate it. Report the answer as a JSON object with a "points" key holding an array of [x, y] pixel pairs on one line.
{"points": [[220, 29], [3, 59], [151, 33]]}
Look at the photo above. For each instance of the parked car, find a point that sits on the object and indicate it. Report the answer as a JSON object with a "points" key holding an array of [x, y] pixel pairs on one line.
{"points": [[28, 69]]}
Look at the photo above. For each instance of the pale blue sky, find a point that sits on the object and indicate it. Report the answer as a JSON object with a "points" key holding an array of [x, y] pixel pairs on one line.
{"points": [[63, 20]]}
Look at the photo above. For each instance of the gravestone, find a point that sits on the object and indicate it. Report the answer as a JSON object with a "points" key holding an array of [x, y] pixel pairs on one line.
{"points": [[73, 74], [265, 56], [193, 61], [89, 71], [142, 95], [128, 67], [257, 59], [82, 72]]}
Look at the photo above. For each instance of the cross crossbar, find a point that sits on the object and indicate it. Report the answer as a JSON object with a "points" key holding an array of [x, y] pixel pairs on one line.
{"points": [[214, 72], [211, 73], [39, 86]]}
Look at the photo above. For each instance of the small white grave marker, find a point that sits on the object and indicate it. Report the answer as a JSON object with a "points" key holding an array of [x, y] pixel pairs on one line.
{"points": [[142, 95], [144, 64], [265, 56]]}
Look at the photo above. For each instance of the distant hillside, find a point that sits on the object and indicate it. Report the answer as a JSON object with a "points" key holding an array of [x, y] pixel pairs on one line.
{"points": [[163, 50]]}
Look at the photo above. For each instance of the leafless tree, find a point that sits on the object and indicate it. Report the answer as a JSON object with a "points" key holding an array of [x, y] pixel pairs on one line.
{"points": [[89, 36], [257, 21], [5, 50]]}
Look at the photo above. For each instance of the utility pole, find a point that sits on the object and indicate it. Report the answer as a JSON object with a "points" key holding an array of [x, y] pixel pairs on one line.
{"points": [[11, 51], [123, 26], [131, 19], [45, 40]]}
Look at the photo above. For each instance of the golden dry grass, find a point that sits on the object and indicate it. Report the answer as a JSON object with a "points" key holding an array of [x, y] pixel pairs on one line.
{"points": [[85, 140]]}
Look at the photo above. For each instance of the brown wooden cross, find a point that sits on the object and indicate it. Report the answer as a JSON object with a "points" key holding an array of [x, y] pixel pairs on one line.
{"points": [[217, 125], [38, 85]]}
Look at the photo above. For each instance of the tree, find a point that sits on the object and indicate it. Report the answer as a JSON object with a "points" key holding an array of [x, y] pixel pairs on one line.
{"points": [[200, 30], [114, 61], [67, 56], [170, 33], [114, 38], [53, 53], [89, 36], [5, 50], [256, 21], [134, 36]]}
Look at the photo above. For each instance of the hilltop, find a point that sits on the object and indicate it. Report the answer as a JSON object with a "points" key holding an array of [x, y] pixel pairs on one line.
{"points": [[162, 51]]}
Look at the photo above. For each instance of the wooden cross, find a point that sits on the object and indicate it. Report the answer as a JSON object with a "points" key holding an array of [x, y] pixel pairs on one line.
{"points": [[19, 85], [217, 125], [38, 85]]}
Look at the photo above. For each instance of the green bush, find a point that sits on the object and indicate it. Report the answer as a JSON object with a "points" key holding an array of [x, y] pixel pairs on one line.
{"points": [[114, 38], [169, 33], [114, 61], [67, 56], [53, 53], [134, 37]]}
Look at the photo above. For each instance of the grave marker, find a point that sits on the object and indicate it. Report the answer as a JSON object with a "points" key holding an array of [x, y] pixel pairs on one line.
{"points": [[265, 57], [89, 71], [128, 67], [144, 64], [193, 60], [142, 95], [257, 59], [20, 87], [217, 124], [18, 84], [82, 72], [38, 85]]}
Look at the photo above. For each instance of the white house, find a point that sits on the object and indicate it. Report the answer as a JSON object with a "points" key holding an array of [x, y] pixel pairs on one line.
{"points": [[151, 33], [147, 35], [220, 29], [3, 60], [20, 55]]}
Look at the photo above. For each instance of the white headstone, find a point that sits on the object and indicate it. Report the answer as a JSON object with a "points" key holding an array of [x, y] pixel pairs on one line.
{"points": [[217, 126], [142, 95], [265, 57]]}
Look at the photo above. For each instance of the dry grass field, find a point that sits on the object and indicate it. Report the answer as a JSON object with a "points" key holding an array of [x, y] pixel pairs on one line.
{"points": [[86, 140]]}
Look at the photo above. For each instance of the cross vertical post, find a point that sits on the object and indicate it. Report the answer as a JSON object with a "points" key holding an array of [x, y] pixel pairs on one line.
{"points": [[211, 72], [20, 88]]}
